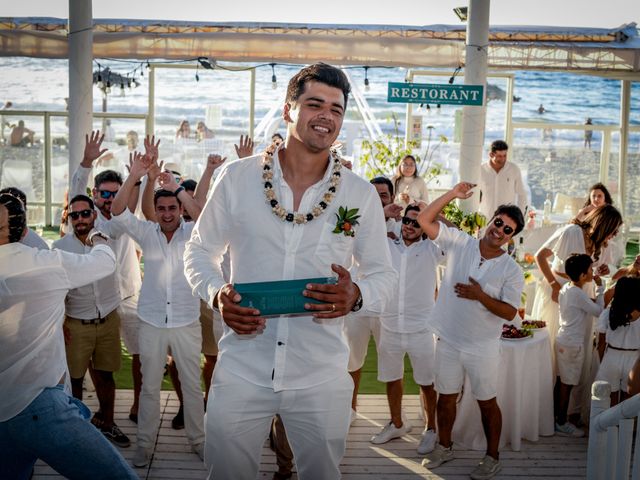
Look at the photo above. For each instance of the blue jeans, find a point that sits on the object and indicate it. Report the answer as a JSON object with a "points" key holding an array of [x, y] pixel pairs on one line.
{"points": [[54, 427]]}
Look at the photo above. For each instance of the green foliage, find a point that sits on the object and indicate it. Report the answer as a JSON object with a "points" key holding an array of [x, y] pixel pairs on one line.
{"points": [[382, 157], [470, 223]]}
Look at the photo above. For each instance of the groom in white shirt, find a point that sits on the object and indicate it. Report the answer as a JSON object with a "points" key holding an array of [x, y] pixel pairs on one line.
{"points": [[285, 215]]}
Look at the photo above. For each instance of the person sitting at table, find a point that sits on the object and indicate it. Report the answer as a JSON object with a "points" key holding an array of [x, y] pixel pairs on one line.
{"points": [[576, 310], [598, 196], [619, 334], [480, 290]]}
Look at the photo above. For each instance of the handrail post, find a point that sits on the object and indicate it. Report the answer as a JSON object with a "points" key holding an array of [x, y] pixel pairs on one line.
{"points": [[600, 401], [48, 181]]}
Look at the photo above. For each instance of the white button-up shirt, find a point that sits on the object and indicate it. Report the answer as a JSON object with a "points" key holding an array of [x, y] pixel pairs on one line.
{"points": [[129, 277], [499, 188], [300, 352], [33, 286], [577, 310], [93, 300], [166, 300], [414, 293], [32, 239], [467, 324]]}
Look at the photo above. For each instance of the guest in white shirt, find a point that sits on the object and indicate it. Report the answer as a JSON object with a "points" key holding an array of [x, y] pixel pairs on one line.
{"points": [[576, 312], [30, 238], [105, 187], [406, 331], [500, 181], [279, 215], [92, 325], [619, 334], [481, 289], [168, 310], [37, 418]]}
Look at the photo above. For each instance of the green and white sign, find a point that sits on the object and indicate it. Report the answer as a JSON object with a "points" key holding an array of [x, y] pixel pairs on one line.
{"points": [[444, 94]]}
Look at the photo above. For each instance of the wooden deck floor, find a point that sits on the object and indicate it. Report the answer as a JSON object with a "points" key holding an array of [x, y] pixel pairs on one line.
{"points": [[551, 457]]}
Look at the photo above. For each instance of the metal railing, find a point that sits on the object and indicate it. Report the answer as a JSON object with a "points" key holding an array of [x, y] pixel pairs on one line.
{"points": [[611, 436]]}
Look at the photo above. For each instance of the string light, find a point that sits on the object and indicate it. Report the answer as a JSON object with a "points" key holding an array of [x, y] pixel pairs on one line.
{"points": [[366, 79], [455, 72], [274, 80], [122, 94]]}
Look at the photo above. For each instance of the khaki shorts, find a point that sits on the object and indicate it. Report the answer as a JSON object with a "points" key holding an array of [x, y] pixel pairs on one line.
{"points": [[209, 343], [99, 343]]}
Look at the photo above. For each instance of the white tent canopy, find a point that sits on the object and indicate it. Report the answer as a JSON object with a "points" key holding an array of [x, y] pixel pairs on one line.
{"points": [[607, 52]]}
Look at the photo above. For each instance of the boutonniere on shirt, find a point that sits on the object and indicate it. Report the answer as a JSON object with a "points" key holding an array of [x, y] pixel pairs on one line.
{"points": [[346, 220]]}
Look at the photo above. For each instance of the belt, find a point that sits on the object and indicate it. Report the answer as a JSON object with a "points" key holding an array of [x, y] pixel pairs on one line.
{"points": [[93, 321], [622, 349]]}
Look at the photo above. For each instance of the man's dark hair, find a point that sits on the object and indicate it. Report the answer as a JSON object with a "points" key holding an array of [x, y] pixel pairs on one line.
{"points": [[411, 208], [107, 176], [514, 213], [16, 192], [189, 185], [576, 265], [82, 198], [383, 181], [273, 137], [159, 193], [318, 72], [499, 146], [17, 216]]}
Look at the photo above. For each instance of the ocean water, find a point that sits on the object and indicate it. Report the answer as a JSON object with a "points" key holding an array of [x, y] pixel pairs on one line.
{"points": [[42, 84]]}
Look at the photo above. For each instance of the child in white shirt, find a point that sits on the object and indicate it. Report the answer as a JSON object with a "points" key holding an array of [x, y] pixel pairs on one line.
{"points": [[619, 333], [576, 310]]}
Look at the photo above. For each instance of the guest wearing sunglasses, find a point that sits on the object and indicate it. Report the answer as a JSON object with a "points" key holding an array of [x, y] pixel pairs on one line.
{"points": [[480, 290], [92, 324]]}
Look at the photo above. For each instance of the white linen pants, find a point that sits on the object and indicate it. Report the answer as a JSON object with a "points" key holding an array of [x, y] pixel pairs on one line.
{"points": [[239, 416], [185, 343]]}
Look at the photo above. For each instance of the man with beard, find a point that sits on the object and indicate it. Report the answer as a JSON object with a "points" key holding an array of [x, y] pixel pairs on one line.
{"points": [[405, 329], [106, 186], [481, 289], [289, 213], [92, 324], [168, 311]]}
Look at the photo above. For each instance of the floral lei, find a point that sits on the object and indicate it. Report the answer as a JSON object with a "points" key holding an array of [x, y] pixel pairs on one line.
{"points": [[295, 217]]}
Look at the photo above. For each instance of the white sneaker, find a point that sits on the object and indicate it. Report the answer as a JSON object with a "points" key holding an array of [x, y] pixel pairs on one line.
{"points": [[437, 457], [568, 430], [141, 458], [405, 420], [486, 469], [354, 417], [389, 432], [427, 442]]}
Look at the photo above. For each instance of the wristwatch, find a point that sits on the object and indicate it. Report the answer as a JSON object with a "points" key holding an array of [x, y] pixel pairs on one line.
{"points": [[358, 305], [178, 190], [97, 233]]}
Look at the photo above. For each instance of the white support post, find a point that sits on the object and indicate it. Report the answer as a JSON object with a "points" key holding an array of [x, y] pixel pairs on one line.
{"points": [[625, 439], [600, 401], [635, 473], [150, 125], [474, 117], [625, 106], [605, 153], [611, 452], [80, 78]]}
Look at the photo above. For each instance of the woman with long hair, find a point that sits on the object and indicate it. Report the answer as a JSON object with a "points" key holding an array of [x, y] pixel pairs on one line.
{"points": [[409, 187], [598, 196]]}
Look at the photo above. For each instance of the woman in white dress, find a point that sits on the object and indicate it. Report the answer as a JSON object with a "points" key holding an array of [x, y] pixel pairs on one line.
{"points": [[409, 187]]}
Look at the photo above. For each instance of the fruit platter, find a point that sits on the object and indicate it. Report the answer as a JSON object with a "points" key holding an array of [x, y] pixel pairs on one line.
{"points": [[533, 324], [511, 333]]}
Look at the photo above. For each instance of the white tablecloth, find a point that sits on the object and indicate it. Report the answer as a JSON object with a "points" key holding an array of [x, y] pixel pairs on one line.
{"points": [[525, 396]]}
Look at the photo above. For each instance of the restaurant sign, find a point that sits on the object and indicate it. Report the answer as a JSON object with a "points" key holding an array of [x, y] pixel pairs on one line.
{"points": [[443, 94]]}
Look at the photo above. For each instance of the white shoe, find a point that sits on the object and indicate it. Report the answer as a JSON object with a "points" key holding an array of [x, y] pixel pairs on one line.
{"points": [[354, 417], [427, 442], [439, 456], [405, 421], [141, 458], [389, 432], [569, 430]]}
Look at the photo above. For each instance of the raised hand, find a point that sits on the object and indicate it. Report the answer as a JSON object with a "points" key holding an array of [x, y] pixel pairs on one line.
{"points": [[463, 190], [214, 160], [139, 165], [246, 146], [92, 148], [393, 211], [340, 298], [151, 148], [168, 181]]}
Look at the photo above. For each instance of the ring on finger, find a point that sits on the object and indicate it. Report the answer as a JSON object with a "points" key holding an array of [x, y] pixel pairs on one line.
{"points": [[333, 307]]}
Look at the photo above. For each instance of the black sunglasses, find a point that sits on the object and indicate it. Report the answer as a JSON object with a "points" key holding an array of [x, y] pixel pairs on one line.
{"points": [[105, 194], [410, 221], [498, 222], [82, 213]]}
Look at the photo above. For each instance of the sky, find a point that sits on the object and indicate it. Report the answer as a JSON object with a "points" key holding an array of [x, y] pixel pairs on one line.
{"points": [[569, 13]]}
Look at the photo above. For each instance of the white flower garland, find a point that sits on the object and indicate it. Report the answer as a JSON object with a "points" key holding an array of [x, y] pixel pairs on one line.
{"points": [[295, 217]]}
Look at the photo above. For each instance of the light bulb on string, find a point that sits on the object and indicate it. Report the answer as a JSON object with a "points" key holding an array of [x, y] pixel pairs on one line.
{"points": [[274, 79], [107, 90], [122, 94], [366, 79]]}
